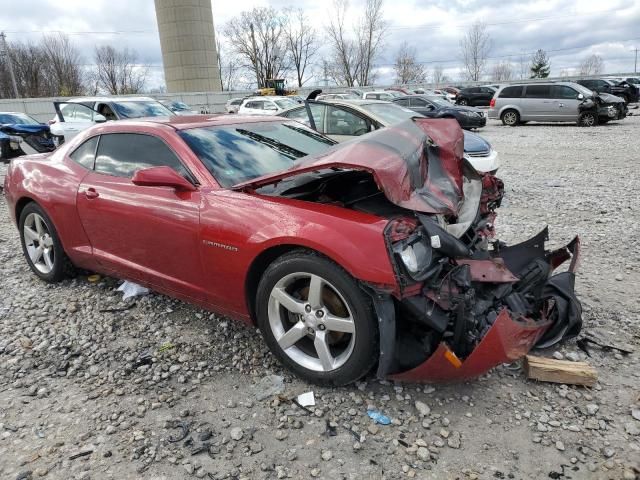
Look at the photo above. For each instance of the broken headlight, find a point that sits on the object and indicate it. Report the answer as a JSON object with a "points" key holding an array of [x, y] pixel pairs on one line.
{"points": [[15, 142], [416, 256]]}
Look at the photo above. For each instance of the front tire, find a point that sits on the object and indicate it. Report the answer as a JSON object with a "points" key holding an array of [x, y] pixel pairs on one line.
{"points": [[316, 320], [588, 119], [41, 245], [510, 118], [463, 101]]}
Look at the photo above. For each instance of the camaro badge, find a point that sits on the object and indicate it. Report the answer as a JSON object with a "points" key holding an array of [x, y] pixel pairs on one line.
{"points": [[220, 245]]}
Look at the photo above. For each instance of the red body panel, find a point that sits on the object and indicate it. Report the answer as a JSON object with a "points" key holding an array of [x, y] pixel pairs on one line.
{"points": [[506, 341], [197, 246]]}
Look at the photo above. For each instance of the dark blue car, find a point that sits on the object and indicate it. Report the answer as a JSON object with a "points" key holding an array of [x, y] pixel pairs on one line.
{"points": [[20, 134]]}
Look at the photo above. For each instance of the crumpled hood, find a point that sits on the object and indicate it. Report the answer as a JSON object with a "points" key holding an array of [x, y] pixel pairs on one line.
{"points": [[608, 98], [16, 128], [417, 164]]}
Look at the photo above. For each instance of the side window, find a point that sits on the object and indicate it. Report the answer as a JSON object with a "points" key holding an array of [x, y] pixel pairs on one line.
{"points": [[300, 115], [404, 102], [85, 154], [106, 110], [83, 113], [511, 92], [418, 102], [343, 122], [538, 91], [472, 90], [123, 154], [68, 112], [562, 91]]}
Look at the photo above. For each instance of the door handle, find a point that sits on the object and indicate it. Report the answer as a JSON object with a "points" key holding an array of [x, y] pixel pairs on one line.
{"points": [[91, 193]]}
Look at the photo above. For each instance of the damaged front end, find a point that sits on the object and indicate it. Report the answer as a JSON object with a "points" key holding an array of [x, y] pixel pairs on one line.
{"points": [[606, 106], [17, 140]]}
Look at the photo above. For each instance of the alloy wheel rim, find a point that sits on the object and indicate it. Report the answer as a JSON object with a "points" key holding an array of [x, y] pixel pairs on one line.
{"points": [[588, 120], [311, 322], [39, 243], [510, 118]]}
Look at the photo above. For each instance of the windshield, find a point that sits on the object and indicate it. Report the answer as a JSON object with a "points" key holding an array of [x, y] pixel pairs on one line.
{"points": [[180, 106], [286, 104], [17, 119], [241, 152], [141, 109], [583, 90], [441, 102], [388, 113]]}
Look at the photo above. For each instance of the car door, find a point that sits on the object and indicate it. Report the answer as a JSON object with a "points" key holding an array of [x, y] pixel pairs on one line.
{"points": [[423, 107], [537, 102], [72, 118], [565, 103], [148, 234], [342, 124]]}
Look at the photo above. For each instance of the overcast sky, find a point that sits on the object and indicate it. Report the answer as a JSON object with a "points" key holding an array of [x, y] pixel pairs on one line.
{"points": [[569, 30]]}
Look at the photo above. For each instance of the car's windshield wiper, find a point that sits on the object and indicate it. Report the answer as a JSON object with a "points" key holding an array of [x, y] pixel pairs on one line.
{"points": [[311, 133], [270, 142]]}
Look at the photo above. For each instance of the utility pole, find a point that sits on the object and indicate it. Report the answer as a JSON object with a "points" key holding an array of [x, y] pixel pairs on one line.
{"points": [[635, 64], [4, 52]]}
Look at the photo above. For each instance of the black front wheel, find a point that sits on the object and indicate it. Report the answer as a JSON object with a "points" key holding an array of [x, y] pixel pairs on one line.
{"points": [[588, 119]]}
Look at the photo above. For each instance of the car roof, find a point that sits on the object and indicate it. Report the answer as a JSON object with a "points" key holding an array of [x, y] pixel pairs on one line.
{"points": [[110, 99], [354, 101], [387, 92], [184, 122]]}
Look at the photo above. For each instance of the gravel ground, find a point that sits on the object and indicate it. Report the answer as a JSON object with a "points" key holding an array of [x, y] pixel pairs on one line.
{"points": [[91, 394]]}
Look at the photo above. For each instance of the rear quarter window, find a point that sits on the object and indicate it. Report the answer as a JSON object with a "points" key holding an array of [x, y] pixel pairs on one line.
{"points": [[85, 154], [511, 92]]}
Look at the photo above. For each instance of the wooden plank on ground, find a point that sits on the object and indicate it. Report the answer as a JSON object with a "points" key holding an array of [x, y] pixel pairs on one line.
{"points": [[559, 371]]}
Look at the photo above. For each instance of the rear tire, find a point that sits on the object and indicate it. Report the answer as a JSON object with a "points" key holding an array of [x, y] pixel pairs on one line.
{"points": [[463, 101], [510, 118], [316, 320], [41, 245]]}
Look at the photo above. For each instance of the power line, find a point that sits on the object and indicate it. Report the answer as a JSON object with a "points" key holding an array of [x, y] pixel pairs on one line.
{"points": [[520, 54], [437, 26]]}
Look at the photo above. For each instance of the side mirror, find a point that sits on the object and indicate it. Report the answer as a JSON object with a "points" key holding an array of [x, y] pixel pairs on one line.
{"points": [[99, 118], [162, 177], [580, 96]]}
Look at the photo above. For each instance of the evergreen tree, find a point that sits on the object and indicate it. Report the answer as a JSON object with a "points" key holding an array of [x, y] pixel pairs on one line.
{"points": [[540, 67]]}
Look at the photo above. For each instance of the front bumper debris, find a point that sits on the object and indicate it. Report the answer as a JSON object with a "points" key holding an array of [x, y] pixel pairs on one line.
{"points": [[509, 304]]}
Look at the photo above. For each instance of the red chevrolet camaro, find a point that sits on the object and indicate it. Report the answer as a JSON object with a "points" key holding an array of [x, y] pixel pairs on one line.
{"points": [[378, 251]]}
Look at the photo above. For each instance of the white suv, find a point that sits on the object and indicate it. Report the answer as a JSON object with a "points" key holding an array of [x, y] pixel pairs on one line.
{"points": [[266, 105], [78, 114]]}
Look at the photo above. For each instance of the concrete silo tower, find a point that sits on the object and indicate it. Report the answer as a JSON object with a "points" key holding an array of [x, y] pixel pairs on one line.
{"points": [[188, 45]]}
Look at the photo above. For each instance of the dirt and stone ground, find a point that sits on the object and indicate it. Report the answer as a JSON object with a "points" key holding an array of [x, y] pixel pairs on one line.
{"points": [[86, 394]]}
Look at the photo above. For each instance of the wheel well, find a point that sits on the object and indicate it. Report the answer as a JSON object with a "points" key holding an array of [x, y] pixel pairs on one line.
{"points": [[20, 204], [257, 268], [510, 109]]}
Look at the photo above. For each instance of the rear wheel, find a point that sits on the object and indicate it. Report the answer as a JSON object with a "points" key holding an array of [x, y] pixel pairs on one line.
{"points": [[511, 118], [588, 119], [463, 101], [41, 245], [316, 320]]}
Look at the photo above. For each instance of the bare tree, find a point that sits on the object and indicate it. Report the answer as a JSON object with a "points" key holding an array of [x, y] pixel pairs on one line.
{"points": [[29, 70], [344, 67], [437, 75], [592, 65], [354, 57], [408, 70], [370, 35], [475, 47], [117, 72], [257, 37], [302, 42], [501, 71], [230, 69], [63, 65]]}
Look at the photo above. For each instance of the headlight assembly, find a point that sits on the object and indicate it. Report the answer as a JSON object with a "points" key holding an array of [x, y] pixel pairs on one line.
{"points": [[416, 256]]}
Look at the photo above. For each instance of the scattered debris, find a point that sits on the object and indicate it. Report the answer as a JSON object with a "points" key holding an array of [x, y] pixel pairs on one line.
{"points": [[94, 278], [306, 399], [584, 341], [118, 309], [166, 347], [379, 417], [331, 430], [559, 371], [130, 290], [81, 453], [184, 430], [269, 386]]}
